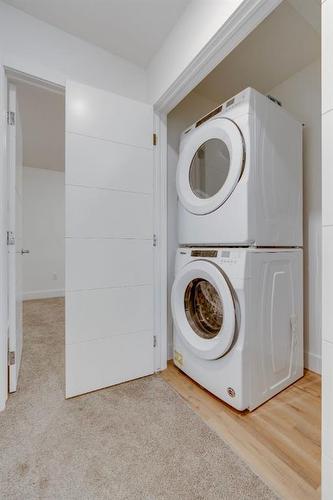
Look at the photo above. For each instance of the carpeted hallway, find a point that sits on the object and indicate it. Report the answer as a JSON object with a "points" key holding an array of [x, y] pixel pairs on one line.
{"points": [[137, 440]]}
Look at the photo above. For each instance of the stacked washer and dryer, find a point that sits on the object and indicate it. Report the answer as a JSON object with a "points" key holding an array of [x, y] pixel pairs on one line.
{"points": [[237, 298]]}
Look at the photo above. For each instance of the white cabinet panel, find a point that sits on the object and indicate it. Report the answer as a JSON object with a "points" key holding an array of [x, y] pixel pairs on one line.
{"points": [[327, 274], [102, 213], [97, 314], [327, 390], [327, 55], [327, 163], [104, 263], [327, 473], [327, 283], [102, 114], [99, 163], [101, 363]]}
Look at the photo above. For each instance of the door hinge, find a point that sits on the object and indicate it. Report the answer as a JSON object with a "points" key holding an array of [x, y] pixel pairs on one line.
{"points": [[154, 139], [11, 117], [11, 358], [154, 341], [154, 240], [10, 238]]}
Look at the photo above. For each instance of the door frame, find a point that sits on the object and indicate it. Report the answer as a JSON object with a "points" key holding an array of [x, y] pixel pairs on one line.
{"points": [[4, 316], [14, 75], [12, 138]]}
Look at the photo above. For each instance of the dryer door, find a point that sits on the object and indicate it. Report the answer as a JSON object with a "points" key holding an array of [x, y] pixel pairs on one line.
{"points": [[203, 309], [210, 165]]}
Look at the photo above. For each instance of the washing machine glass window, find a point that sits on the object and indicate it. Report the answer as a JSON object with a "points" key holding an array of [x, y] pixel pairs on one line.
{"points": [[210, 165], [209, 168], [203, 308]]}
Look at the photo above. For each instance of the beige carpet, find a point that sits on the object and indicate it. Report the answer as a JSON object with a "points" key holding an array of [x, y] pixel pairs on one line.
{"points": [[138, 440]]}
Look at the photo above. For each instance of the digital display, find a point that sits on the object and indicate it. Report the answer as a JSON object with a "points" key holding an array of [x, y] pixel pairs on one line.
{"points": [[230, 103], [225, 254], [204, 253]]}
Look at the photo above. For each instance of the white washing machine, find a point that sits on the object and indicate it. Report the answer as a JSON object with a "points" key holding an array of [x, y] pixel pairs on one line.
{"points": [[239, 176], [238, 321]]}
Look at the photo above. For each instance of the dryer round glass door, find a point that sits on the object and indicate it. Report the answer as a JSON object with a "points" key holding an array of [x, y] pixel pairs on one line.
{"points": [[209, 168], [210, 165], [203, 309]]}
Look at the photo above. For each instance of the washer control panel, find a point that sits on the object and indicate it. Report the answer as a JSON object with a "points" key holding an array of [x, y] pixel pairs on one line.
{"points": [[222, 255], [230, 260]]}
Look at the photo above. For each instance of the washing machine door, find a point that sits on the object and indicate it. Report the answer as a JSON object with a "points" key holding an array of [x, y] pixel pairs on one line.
{"points": [[203, 309], [210, 165]]}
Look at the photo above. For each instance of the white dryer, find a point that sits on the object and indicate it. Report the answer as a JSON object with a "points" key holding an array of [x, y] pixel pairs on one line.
{"points": [[238, 321], [239, 176]]}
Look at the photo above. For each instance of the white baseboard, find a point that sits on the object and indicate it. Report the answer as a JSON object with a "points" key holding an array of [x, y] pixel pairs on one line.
{"points": [[170, 351], [312, 362], [43, 294]]}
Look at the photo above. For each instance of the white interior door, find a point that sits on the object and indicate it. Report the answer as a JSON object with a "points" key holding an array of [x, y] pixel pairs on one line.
{"points": [[109, 239], [15, 167]]}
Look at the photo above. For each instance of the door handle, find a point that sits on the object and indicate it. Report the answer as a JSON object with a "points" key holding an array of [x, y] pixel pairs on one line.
{"points": [[23, 251]]}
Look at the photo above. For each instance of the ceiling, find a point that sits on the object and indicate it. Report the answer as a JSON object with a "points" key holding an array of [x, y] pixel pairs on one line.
{"points": [[42, 114], [283, 44], [133, 29]]}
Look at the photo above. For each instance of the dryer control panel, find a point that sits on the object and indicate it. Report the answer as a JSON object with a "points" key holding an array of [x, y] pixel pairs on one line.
{"points": [[241, 98]]}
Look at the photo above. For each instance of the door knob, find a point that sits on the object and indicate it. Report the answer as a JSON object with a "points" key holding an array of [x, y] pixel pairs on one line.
{"points": [[23, 251]]}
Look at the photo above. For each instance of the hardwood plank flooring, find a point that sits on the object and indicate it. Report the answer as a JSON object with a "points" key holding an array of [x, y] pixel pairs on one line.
{"points": [[280, 440]]}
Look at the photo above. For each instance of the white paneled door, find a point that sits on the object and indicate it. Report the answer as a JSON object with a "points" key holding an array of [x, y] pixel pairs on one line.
{"points": [[109, 239], [14, 239]]}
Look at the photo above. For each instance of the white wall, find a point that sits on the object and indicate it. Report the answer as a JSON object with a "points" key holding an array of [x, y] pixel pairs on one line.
{"points": [[301, 95], [32, 46], [327, 290], [194, 29], [186, 113], [43, 233]]}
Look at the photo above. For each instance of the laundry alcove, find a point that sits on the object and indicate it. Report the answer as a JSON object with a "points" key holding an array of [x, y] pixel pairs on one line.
{"points": [[281, 57]]}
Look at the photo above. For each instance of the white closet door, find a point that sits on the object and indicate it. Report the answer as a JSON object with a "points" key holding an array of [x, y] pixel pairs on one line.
{"points": [[109, 244], [15, 166]]}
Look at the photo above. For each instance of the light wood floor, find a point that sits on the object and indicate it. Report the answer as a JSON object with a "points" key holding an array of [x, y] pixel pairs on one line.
{"points": [[280, 440]]}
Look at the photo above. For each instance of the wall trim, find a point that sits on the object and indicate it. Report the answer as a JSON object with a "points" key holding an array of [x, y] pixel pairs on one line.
{"points": [[160, 225], [3, 246], [43, 294], [240, 24], [312, 362], [170, 351]]}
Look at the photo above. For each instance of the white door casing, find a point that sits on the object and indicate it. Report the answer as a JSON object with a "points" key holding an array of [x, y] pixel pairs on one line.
{"points": [[15, 170], [3, 241], [109, 239]]}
